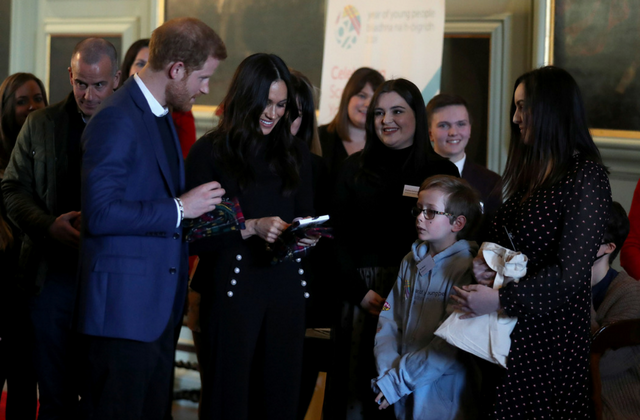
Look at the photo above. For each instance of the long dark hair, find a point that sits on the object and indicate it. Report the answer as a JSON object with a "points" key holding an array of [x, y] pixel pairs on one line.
{"points": [[304, 93], [9, 128], [374, 151], [130, 57], [556, 128], [357, 82], [238, 134]]}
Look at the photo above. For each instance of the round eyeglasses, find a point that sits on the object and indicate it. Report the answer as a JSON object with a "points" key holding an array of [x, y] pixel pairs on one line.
{"points": [[429, 214]]}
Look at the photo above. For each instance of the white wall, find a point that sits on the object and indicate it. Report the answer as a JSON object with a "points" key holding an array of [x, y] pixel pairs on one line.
{"points": [[35, 21]]}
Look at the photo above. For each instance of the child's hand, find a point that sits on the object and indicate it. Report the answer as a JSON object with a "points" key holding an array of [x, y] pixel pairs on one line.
{"points": [[382, 401]]}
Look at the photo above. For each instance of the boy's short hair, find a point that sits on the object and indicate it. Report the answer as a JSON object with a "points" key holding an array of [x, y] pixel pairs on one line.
{"points": [[444, 100], [460, 199], [617, 229]]}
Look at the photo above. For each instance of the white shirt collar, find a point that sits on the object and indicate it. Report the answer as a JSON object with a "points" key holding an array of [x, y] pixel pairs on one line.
{"points": [[460, 163], [157, 109]]}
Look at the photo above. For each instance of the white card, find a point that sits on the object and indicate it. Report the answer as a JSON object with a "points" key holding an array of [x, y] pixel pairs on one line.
{"points": [[410, 191]]}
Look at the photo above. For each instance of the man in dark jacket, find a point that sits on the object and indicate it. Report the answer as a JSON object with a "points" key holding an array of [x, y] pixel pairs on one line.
{"points": [[449, 131], [41, 187]]}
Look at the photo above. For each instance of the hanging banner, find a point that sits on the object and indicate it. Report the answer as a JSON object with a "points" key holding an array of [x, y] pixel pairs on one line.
{"points": [[399, 39]]}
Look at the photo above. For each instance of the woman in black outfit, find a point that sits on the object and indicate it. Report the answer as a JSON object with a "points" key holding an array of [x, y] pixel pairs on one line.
{"points": [[20, 94], [345, 134], [252, 312], [556, 213], [373, 224]]}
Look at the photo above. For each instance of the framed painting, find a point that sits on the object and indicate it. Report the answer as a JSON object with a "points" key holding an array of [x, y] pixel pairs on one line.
{"points": [[598, 42]]}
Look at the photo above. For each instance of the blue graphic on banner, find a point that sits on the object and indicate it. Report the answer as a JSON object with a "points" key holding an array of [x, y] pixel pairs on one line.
{"points": [[349, 25], [432, 87]]}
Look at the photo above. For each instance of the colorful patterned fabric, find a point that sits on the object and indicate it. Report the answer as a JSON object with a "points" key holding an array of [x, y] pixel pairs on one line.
{"points": [[286, 247], [226, 217]]}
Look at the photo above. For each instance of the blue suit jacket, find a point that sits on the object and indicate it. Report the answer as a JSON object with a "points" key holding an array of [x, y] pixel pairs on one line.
{"points": [[133, 265]]}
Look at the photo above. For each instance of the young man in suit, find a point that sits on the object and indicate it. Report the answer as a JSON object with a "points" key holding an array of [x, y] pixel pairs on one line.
{"points": [[133, 267], [449, 131]]}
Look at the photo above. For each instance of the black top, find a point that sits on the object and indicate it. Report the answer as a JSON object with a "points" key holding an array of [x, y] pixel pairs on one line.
{"points": [[262, 198], [63, 258], [333, 152], [559, 229], [69, 195], [489, 185], [372, 215]]}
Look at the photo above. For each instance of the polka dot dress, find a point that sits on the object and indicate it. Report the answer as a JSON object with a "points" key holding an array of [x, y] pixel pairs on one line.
{"points": [[559, 229]]}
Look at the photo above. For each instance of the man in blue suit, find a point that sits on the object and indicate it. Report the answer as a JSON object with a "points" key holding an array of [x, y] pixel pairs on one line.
{"points": [[133, 262]]}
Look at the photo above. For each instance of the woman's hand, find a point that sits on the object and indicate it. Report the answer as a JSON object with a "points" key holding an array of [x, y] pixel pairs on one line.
{"points": [[268, 228], [308, 240], [482, 272], [476, 300], [372, 302]]}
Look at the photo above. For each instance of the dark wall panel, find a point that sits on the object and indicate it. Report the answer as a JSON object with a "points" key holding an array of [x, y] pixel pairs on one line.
{"points": [[465, 71], [61, 50], [5, 37]]}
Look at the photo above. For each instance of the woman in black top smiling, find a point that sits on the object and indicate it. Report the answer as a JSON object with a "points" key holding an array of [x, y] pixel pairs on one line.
{"points": [[252, 312]]}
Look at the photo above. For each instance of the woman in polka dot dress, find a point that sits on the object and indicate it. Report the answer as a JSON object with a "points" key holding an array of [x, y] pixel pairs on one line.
{"points": [[556, 213]]}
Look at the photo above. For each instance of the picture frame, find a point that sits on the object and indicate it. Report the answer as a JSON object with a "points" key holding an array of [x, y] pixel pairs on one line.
{"points": [[596, 42]]}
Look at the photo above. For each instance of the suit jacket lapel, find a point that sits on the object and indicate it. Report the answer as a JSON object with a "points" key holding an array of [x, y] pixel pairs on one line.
{"points": [[467, 169]]}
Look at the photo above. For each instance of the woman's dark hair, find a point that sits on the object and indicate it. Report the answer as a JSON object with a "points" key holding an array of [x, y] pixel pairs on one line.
{"points": [[304, 94], [130, 57], [556, 126], [617, 229], [9, 128], [239, 135], [357, 82], [444, 100], [374, 150]]}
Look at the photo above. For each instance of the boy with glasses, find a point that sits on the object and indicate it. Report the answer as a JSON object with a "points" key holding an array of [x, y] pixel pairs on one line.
{"points": [[420, 374]]}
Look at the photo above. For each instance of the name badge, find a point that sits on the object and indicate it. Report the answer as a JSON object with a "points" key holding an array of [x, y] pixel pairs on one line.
{"points": [[410, 191], [426, 264]]}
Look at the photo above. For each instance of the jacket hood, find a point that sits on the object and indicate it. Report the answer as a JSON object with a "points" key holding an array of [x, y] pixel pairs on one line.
{"points": [[421, 248]]}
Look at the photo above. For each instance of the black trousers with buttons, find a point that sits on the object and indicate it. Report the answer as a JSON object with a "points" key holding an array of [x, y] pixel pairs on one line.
{"points": [[252, 335]]}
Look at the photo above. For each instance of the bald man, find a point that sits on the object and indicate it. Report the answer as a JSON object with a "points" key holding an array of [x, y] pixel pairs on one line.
{"points": [[41, 187]]}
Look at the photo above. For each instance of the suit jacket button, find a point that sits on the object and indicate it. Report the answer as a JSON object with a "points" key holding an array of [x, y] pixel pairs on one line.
{"points": [[306, 295], [236, 270], [230, 293], [238, 257], [172, 270], [176, 235]]}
